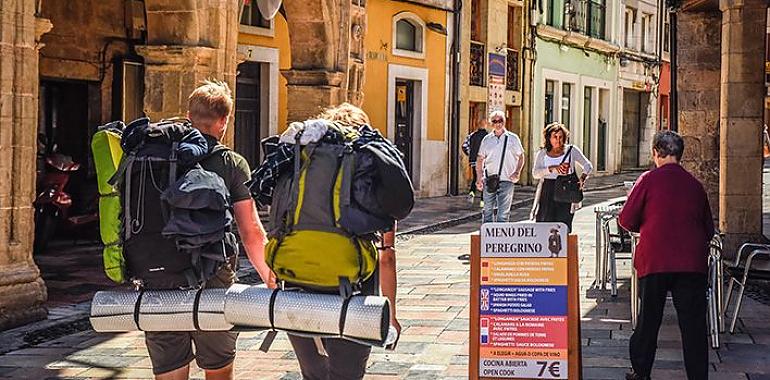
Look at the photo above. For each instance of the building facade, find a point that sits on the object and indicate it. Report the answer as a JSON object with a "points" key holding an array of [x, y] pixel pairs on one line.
{"points": [[640, 79], [492, 67], [406, 86], [575, 77]]}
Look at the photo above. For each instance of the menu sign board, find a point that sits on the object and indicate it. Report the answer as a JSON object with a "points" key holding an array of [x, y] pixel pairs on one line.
{"points": [[522, 315]]}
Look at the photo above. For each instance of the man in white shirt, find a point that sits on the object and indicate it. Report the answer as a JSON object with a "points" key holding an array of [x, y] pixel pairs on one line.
{"points": [[501, 154]]}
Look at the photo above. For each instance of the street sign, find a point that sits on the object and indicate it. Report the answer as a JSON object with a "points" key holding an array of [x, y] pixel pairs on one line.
{"points": [[523, 322]]}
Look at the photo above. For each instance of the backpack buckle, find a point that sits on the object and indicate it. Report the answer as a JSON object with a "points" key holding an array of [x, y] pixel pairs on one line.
{"points": [[346, 288]]}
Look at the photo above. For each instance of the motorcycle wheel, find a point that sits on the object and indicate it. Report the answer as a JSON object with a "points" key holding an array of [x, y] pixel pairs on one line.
{"points": [[45, 227]]}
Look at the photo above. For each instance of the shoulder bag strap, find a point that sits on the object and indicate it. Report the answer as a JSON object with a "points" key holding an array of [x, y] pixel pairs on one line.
{"points": [[567, 155], [502, 158]]}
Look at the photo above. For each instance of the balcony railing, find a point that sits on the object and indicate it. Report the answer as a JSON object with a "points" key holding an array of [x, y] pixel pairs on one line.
{"points": [[586, 16], [512, 71], [477, 64]]}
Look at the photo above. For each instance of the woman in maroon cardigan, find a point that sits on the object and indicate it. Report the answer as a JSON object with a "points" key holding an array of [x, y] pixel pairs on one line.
{"points": [[670, 210]]}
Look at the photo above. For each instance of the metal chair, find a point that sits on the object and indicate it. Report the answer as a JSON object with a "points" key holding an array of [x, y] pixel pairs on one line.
{"points": [[751, 263], [618, 242], [714, 291]]}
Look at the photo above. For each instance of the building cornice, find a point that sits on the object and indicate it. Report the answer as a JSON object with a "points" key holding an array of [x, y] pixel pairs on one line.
{"points": [[578, 40]]}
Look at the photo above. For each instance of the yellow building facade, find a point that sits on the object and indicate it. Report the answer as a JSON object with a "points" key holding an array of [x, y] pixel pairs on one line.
{"points": [[406, 84]]}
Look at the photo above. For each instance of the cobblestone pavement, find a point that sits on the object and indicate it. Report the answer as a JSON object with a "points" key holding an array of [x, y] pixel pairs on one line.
{"points": [[433, 310]]}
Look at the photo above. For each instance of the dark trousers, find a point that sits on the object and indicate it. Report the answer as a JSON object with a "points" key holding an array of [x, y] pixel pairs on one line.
{"points": [[346, 360], [474, 178], [549, 210], [688, 291]]}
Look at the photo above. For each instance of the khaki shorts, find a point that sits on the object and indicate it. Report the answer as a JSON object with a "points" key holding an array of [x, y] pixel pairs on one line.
{"points": [[173, 350], [213, 349]]}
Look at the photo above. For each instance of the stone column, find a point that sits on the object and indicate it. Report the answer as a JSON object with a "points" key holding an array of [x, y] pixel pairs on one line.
{"points": [[698, 73], [22, 291], [741, 120], [310, 91], [326, 53], [188, 41]]}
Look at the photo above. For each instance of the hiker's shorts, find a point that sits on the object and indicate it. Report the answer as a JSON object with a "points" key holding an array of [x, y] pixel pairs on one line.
{"points": [[173, 350]]}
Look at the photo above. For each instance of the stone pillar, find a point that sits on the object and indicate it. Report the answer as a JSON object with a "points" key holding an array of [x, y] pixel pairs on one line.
{"points": [[188, 41], [698, 73], [741, 120], [22, 291], [327, 55]]}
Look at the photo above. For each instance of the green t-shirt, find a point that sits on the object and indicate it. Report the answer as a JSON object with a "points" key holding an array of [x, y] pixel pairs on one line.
{"points": [[232, 167]]}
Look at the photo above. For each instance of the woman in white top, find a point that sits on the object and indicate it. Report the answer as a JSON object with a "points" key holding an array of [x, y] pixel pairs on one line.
{"points": [[551, 163]]}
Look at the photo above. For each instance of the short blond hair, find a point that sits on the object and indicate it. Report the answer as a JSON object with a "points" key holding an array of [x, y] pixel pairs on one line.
{"points": [[346, 114], [210, 102]]}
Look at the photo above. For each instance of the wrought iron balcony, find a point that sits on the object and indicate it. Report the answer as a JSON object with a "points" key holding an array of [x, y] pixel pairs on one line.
{"points": [[478, 51], [512, 71], [586, 17]]}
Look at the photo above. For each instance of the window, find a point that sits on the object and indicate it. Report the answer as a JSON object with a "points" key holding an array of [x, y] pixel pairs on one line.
{"points": [[252, 17], [666, 35], [566, 99], [586, 17], [514, 27], [646, 33], [587, 119], [477, 64], [630, 25], [512, 70], [549, 106], [408, 38], [555, 13]]}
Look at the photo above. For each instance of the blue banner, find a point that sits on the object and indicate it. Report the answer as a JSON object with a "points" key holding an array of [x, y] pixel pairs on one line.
{"points": [[523, 300]]}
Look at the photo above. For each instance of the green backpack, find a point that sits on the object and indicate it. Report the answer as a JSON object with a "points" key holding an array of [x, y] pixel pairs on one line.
{"points": [[105, 146], [307, 245]]}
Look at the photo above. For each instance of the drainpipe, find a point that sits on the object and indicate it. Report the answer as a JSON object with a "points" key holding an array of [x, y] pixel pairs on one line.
{"points": [[454, 125], [674, 106]]}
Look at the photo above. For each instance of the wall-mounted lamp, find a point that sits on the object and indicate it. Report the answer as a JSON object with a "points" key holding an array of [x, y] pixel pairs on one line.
{"points": [[436, 27]]}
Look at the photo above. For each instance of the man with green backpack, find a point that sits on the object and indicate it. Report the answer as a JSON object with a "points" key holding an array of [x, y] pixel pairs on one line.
{"points": [[210, 107]]}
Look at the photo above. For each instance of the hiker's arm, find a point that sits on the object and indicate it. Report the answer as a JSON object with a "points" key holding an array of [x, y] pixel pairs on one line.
{"points": [[388, 282], [480, 171], [254, 238]]}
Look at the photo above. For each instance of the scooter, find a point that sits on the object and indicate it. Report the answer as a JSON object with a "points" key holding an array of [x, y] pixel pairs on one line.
{"points": [[53, 204]]}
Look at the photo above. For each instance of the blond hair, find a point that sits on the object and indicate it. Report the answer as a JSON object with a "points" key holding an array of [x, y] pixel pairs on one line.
{"points": [[346, 114], [210, 102]]}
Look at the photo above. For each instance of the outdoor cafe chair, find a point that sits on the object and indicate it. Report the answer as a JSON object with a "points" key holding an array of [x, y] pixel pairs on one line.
{"points": [[751, 263]]}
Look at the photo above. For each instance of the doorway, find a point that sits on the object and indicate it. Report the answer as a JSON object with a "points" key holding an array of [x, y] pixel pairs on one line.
{"points": [[248, 112], [632, 133], [404, 136]]}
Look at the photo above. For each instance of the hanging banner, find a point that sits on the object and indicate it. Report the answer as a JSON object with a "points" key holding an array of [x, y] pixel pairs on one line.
{"points": [[522, 309], [496, 91]]}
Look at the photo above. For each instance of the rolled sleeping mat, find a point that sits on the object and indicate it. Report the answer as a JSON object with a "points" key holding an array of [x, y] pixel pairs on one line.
{"points": [[159, 310], [363, 319]]}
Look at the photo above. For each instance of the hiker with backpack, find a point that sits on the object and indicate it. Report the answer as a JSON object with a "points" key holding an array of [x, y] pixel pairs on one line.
{"points": [[336, 188], [180, 190]]}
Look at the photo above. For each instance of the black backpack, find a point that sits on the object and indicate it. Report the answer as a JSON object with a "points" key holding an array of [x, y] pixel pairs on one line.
{"points": [[176, 216]]}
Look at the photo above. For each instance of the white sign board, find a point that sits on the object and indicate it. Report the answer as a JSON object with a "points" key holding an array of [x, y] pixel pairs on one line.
{"points": [[524, 240]]}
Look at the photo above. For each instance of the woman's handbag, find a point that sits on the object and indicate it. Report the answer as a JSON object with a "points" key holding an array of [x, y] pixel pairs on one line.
{"points": [[493, 181], [567, 189]]}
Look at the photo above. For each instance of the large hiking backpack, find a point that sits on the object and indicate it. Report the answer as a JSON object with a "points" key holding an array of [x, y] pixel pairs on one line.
{"points": [[320, 235], [176, 216]]}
